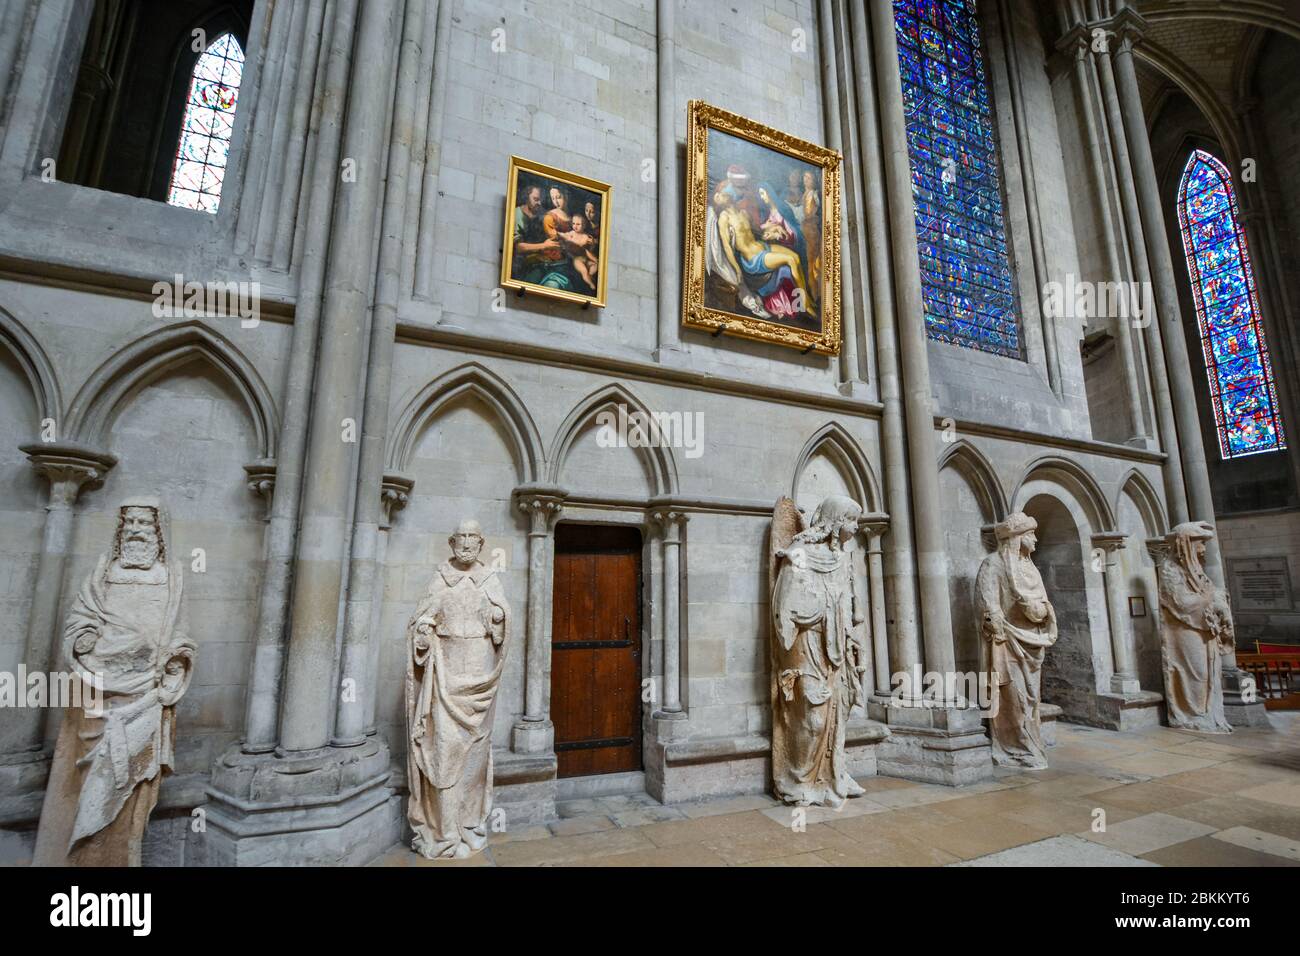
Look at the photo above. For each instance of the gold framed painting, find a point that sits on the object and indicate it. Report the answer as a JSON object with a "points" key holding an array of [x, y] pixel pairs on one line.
{"points": [[762, 233], [557, 233]]}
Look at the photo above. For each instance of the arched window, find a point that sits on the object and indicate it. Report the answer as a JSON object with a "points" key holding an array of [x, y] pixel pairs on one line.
{"points": [[1227, 310], [199, 166], [965, 272]]}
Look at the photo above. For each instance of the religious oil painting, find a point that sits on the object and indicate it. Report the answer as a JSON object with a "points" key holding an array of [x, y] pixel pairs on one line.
{"points": [[557, 234], [762, 233]]}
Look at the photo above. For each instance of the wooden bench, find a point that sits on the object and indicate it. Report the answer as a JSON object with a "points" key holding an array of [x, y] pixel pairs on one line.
{"points": [[1276, 669]]}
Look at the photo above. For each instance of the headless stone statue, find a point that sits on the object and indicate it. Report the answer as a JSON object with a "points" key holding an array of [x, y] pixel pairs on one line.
{"points": [[1018, 624], [1196, 628], [818, 656], [456, 648], [126, 635]]}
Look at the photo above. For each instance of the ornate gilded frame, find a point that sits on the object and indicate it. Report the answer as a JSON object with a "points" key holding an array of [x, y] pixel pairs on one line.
{"points": [[701, 117], [518, 164]]}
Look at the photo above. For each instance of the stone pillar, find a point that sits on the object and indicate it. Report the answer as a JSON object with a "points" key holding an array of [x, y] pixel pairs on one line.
{"points": [[1124, 679], [669, 207], [672, 522], [1200, 502], [899, 558], [69, 469], [874, 525], [534, 733], [918, 403], [305, 716], [849, 373]]}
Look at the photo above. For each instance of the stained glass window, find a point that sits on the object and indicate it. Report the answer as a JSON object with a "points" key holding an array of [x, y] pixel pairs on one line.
{"points": [[200, 164], [965, 273], [1227, 310]]}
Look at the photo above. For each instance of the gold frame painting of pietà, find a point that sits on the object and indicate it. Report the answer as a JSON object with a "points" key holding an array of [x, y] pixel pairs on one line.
{"points": [[762, 233], [557, 233]]}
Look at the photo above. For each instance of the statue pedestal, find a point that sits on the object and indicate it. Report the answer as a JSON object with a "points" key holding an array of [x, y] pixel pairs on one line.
{"points": [[327, 807], [22, 786], [933, 744], [1239, 712]]}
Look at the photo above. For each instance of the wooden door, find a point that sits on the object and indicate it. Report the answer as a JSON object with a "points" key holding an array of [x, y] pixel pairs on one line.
{"points": [[596, 650]]}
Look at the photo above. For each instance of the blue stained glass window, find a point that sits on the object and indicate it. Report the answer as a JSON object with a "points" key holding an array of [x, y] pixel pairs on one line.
{"points": [[199, 167], [1227, 310], [965, 272]]}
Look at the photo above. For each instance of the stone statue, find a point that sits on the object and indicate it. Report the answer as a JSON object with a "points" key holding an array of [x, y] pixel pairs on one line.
{"points": [[818, 652], [456, 648], [1197, 627], [1019, 625], [126, 635]]}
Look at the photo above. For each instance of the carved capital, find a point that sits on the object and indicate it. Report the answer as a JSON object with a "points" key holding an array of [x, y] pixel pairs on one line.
{"points": [[394, 493], [673, 520], [261, 479], [1109, 541], [68, 468], [543, 504], [874, 524]]}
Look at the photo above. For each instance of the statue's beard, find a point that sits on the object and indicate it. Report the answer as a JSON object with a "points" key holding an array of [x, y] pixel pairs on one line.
{"points": [[139, 551]]}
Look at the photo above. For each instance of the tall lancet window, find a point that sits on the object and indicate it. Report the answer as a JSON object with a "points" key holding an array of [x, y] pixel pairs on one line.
{"points": [[199, 167], [1227, 310], [965, 273]]}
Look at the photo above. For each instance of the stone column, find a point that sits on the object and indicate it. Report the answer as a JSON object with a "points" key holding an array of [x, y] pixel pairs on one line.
{"points": [[305, 718], [534, 733], [669, 207], [875, 525], [69, 469], [899, 558], [1124, 679], [672, 522], [848, 357], [918, 403], [1200, 502]]}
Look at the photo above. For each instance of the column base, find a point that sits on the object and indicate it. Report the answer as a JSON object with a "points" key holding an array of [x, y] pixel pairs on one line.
{"points": [[327, 807], [1124, 685], [934, 744], [1138, 711], [533, 737], [1239, 711], [524, 786]]}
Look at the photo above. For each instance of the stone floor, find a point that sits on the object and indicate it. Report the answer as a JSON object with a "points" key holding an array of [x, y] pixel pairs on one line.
{"points": [[1169, 798]]}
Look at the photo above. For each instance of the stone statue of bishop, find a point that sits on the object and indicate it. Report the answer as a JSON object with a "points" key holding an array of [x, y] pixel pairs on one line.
{"points": [[126, 636], [456, 649]]}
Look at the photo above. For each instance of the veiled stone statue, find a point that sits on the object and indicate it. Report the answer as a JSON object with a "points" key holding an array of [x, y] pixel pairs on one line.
{"points": [[456, 648], [1196, 625], [818, 651], [126, 633], [1018, 623]]}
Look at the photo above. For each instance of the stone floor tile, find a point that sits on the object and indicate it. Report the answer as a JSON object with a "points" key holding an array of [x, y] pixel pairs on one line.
{"points": [[686, 855], [801, 859], [1283, 793], [537, 831], [1160, 763], [1151, 831], [1225, 812], [1261, 842], [857, 807], [576, 826], [713, 808], [979, 836], [568, 849], [1207, 851], [1149, 796], [641, 816], [1058, 851], [682, 832]]}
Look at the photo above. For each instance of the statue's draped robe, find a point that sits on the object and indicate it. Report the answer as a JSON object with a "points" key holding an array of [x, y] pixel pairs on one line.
{"points": [[451, 690], [1194, 618], [817, 668], [1018, 624], [107, 769]]}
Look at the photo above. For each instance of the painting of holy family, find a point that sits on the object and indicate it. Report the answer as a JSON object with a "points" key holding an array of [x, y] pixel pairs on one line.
{"points": [[762, 235], [557, 227]]}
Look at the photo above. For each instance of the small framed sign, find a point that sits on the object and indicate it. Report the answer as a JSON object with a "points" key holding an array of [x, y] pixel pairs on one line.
{"points": [[1137, 607]]}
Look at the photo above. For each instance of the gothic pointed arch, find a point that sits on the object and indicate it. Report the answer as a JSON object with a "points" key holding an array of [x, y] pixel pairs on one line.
{"points": [[834, 440], [151, 356], [1074, 478], [657, 458], [36, 365], [978, 471], [470, 379], [1140, 491]]}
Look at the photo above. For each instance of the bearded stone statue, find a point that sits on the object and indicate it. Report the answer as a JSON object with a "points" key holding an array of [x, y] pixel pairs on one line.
{"points": [[1196, 626], [456, 649], [1018, 623], [126, 636], [819, 658]]}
